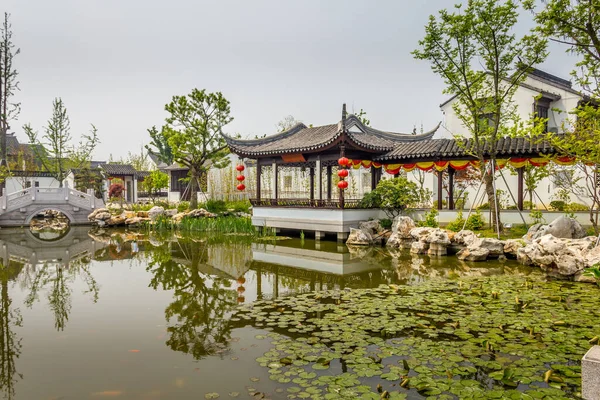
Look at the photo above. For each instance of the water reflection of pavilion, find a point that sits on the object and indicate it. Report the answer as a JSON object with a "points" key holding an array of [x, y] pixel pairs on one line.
{"points": [[22, 246]]}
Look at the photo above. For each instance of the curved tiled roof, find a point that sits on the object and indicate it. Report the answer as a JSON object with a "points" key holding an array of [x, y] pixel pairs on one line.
{"points": [[300, 139], [437, 149]]}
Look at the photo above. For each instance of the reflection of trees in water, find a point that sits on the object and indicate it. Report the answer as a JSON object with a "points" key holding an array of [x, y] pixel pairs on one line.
{"points": [[197, 317], [56, 279], [10, 344]]}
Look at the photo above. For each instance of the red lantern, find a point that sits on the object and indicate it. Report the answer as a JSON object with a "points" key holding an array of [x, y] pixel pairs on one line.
{"points": [[342, 173], [344, 162], [240, 168], [241, 280], [241, 289], [342, 185], [240, 178], [241, 187]]}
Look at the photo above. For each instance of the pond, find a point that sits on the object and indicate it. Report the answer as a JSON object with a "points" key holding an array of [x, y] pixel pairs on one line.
{"points": [[92, 315]]}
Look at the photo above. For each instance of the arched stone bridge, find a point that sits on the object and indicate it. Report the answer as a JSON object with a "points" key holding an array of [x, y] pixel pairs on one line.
{"points": [[19, 208]]}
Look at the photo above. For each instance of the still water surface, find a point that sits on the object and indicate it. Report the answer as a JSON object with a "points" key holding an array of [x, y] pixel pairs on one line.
{"points": [[128, 316]]}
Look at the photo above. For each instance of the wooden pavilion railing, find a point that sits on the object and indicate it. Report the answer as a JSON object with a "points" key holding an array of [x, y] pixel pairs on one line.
{"points": [[306, 203]]}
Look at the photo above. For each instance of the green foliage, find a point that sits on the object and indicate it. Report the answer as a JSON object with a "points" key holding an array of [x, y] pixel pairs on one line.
{"points": [[159, 146], [386, 223], [537, 216], [594, 272], [476, 51], [154, 182], [574, 207], [484, 206], [54, 150], [87, 178], [228, 224], [193, 130], [393, 196], [457, 224], [558, 205], [475, 222], [183, 206], [215, 206], [430, 219], [239, 206]]}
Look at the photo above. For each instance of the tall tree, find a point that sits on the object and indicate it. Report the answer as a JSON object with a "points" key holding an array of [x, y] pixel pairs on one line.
{"points": [[8, 85], [576, 24], [159, 146], [287, 123], [482, 61], [55, 151], [194, 131]]}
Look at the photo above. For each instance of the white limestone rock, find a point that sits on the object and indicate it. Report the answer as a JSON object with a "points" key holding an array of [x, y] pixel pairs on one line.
{"points": [[358, 237], [156, 212]]}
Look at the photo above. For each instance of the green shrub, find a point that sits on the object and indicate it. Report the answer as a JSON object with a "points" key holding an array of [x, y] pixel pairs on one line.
{"points": [[183, 206], [164, 204], [537, 216], [574, 207], [484, 206], [239, 206], [430, 219], [528, 205], [457, 224], [557, 205], [215, 206], [386, 223], [475, 222], [393, 196], [459, 204], [435, 204]]}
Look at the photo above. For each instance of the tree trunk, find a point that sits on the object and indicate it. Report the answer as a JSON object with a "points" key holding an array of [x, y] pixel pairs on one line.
{"points": [[194, 188], [492, 200]]}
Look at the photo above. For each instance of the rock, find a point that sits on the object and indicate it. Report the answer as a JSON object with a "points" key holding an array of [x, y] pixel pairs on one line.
{"points": [[561, 227], [358, 237], [592, 257], [580, 277], [100, 224], [373, 227], [400, 237], [200, 213], [438, 242], [142, 214], [419, 247], [558, 256], [128, 214], [421, 233], [495, 247], [156, 212], [97, 211], [103, 216], [464, 238], [178, 217], [170, 212], [116, 221], [473, 254], [511, 246], [134, 221], [531, 232]]}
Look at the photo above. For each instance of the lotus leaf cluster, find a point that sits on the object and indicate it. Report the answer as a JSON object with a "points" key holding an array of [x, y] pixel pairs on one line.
{"points": [[495, 337]]}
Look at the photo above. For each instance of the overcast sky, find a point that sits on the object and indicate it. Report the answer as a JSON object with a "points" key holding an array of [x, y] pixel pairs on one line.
{"points": [[116, 63]]}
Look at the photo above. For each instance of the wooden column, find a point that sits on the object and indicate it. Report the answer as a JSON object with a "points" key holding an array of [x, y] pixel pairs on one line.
{"points": [[440, 189], [373, 178], [329, 172], [275, 181], [258, 180], [311, 178], [318, 171], [520, 188], [450, 188]]}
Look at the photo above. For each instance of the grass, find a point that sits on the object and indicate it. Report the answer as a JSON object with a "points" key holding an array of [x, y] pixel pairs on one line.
{"points": [[229, 224]]}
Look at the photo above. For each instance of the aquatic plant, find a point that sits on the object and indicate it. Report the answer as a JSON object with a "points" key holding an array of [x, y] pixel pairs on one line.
{"points": [[498, 337], [594, 272], [228, 224]]}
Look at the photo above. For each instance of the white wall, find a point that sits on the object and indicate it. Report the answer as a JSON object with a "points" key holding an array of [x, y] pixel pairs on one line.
{"points": [[15, 184], [524, 99]]}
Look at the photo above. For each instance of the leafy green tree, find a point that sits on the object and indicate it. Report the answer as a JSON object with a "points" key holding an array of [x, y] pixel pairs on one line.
{"points": [[154, 182], [286, 123], [54, 149], [576, 24], [393, 196], [482, 61], [9, 110], [159, 145], [194, 131], [362, 116], [89, 178]]}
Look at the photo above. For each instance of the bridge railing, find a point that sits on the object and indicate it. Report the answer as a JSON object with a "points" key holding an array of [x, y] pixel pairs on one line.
{"points": [[25, 197]]}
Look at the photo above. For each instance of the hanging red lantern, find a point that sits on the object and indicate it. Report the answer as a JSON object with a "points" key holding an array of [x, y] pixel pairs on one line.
{"points": [[240, 167], [344, 162], [342, 185], [240, 178], [241, 280], [241, 299], [342, 173], [241, 289], [241, 187]]}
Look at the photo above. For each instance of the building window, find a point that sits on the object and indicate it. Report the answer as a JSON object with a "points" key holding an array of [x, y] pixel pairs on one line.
{"points": [[542, 107], [27, 184], [37, 184], [176, 180]]}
